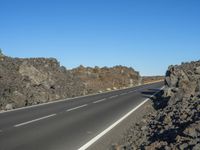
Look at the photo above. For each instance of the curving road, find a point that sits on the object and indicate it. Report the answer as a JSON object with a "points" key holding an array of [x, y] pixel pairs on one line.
{"points": [[70, 124]]}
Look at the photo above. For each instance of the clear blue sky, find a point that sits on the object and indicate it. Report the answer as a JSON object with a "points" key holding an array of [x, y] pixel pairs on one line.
{"points": [[147, 35]]}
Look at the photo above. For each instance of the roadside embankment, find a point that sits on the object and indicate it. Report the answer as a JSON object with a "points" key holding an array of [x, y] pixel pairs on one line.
{"points": [[175, 123], [31, 81]]}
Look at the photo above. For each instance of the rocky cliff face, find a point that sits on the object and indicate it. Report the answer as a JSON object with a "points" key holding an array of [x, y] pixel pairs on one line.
{"points": [[176, 122], [25, 82]]}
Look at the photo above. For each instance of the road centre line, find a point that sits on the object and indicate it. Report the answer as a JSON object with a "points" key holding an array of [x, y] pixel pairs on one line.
{"points": [[31, 121], [123, 94], [68, 99], [71, 109], [113, 96], [101, 100]]}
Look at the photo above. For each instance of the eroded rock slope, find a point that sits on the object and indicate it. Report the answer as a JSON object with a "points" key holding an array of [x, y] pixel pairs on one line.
{"points": [[175, 124]]}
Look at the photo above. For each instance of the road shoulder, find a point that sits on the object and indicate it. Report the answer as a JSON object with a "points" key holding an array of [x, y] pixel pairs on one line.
{"points": [[116, 134]]}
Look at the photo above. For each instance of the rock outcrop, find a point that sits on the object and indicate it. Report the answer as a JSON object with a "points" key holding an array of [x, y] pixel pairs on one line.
{"points": [[25, 82], [175, 124], [102, 79]]}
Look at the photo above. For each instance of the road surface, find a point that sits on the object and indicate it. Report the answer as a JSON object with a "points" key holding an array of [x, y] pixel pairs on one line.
{"points": [[70, 124]]}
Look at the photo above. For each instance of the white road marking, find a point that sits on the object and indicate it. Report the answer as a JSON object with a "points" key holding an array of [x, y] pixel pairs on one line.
{"points": [[28, 122], [132, 91], [123, 94], [101, 100], [76, 107], [92, 141], [113, 96], [68, 99]]}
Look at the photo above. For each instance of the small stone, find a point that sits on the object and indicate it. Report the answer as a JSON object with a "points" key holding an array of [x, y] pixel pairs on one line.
{"points": [[197, 70], [178, 138], [9, 106], [108, 89], [114, 88], [167, 120], [167, 148], [144, 128], [196, 147], [183, 146], [191, 132]]}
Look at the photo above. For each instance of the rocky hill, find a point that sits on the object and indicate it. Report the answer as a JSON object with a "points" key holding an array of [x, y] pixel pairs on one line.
{"points": [[175, 123], [101, 79], [25, 82]]}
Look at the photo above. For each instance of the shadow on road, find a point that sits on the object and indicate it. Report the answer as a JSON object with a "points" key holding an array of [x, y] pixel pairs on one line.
{"points": [[158, 101], [149, 92]]}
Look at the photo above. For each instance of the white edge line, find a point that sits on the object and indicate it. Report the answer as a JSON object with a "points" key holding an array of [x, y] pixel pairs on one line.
{"points": [[76, 107], [101, 100], [28, 122], [67, 99], [92, 141]]}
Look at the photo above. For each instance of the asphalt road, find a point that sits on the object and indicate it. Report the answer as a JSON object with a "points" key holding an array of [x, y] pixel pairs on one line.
{"points": [[69, 124]]}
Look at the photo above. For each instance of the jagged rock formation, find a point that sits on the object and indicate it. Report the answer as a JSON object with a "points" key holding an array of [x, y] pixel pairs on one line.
{"points": [[176, 122], [101, 79], [25, 82]]}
